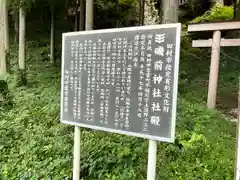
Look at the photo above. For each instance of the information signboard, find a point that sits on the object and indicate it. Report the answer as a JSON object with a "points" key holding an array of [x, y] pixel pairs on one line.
{"points": [[122, 80]]}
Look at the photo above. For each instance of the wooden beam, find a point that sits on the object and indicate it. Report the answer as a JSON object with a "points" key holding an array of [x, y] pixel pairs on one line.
{"points": [[202, 43], [214, 26], [209, 42]]}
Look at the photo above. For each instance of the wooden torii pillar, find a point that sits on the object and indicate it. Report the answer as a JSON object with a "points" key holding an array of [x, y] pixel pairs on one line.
{"points": [[216, 42]]}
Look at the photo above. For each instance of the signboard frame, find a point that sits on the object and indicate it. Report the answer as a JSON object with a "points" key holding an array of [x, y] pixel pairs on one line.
{"points": [[175, 79]]}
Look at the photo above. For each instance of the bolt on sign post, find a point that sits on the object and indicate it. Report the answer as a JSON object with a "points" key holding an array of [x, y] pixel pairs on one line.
{"points": [[123, 81]]}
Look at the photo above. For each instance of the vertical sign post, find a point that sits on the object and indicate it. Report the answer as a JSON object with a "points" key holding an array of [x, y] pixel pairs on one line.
{"points": [[77, 132], [237, 166], [122, 81], [152, 160], [76, 153], [152, 144]]}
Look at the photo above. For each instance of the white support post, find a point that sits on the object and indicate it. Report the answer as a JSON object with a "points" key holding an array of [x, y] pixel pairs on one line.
{"points": [[152, 159], [213, 77], [76, 161], [76, 154], [237, 165]]}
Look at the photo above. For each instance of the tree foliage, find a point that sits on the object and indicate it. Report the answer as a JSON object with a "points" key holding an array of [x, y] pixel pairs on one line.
{"points": [[218, 12], [107, 12], [16, 4]]}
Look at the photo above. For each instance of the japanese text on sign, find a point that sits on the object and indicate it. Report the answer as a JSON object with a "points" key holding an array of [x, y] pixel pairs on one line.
{"points": [[122, 80]]}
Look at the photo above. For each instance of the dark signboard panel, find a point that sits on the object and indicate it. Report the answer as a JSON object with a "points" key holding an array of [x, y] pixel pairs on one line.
{"points": [[122, 80]]}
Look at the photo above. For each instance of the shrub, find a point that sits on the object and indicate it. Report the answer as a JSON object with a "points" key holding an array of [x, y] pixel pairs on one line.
{"points": [[5, 97], [217, 13]]}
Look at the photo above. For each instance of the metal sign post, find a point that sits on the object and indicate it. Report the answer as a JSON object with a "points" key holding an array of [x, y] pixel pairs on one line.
{"points": [[152, 160], [76, 153], [124, 81], [77, 132], [152, 144]]}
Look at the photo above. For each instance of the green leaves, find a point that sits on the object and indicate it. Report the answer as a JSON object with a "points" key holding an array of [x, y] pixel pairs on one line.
{"points": [[36, 146], [16, 4], [216, 13]]}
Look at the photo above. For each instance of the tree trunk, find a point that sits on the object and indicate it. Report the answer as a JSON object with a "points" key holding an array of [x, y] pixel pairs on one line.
{"points": [[141, 17], [82, 15], [16, 27], [170, 11], [52, 38], [21, 39], [3, 67], [234, 9], [6, 28], [237, 10], [89, 14], [117, 10], [76, 16], [151, 13], [76, 22]]}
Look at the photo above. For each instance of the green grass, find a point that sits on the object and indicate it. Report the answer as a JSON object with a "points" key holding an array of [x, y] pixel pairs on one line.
{"points": [[34, 145]]}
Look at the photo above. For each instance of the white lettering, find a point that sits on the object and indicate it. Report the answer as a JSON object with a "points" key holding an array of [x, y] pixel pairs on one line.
{"points": [[157, 79], [159, 51], [158, 65], [156, 107], [155, 120], [156, 93], [159, 38]]}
